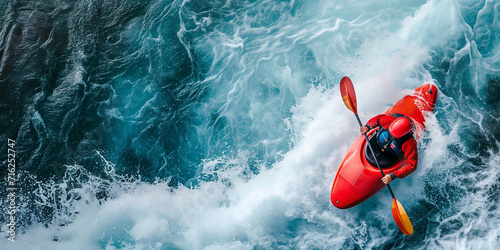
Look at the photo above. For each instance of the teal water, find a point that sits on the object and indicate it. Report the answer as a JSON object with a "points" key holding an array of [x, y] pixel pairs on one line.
{"points": [[219, 124]]}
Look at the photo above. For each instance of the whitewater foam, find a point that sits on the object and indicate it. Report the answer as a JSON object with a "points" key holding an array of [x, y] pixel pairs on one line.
{"points": [[247, 147]]}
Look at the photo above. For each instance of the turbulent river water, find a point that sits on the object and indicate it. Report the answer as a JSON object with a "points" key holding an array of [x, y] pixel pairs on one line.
{"points": [[219, 125]]}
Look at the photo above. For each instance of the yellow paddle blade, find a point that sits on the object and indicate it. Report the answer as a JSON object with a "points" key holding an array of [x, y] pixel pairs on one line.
{"points": [[401, 218], [348, 94]]}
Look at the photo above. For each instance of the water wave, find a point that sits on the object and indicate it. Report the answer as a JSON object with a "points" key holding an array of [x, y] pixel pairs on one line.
{"points": [[194, 124]]}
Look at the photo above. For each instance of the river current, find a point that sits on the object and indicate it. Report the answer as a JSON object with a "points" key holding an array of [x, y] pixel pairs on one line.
{"points": [[219, 124]]}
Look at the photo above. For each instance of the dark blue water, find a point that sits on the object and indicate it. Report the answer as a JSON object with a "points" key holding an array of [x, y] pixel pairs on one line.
{"points": [[219, 124]]}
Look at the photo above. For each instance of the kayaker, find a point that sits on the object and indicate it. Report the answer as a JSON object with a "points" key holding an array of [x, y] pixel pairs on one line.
{"points": [[398, 140]]}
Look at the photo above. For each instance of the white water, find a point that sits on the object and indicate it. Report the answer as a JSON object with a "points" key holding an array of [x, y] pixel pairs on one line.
{"points": [[384, 48]]}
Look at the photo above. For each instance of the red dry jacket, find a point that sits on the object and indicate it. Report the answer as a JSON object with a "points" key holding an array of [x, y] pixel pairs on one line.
{"points": [[409, 147]]}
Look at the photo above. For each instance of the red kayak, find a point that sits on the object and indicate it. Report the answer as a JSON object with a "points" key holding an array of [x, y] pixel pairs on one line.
{"points": [[357, 179]]}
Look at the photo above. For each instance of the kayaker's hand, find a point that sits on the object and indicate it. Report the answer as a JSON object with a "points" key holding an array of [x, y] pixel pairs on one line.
{"points": [[387, 179], [363, 129]]}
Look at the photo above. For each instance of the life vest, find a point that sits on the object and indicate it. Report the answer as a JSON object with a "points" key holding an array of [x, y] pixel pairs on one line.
{"points": [[390, 144]]}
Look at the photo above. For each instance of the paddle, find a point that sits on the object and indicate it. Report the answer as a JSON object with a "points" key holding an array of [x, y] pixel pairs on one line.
{"points": [[398, 212]]}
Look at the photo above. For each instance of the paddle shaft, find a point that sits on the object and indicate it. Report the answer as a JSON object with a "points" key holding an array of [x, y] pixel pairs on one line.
{"points": [[374, 156]]}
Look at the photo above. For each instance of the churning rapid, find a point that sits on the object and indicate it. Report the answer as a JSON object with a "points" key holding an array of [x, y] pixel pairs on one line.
{"points": [[218, 124]]}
